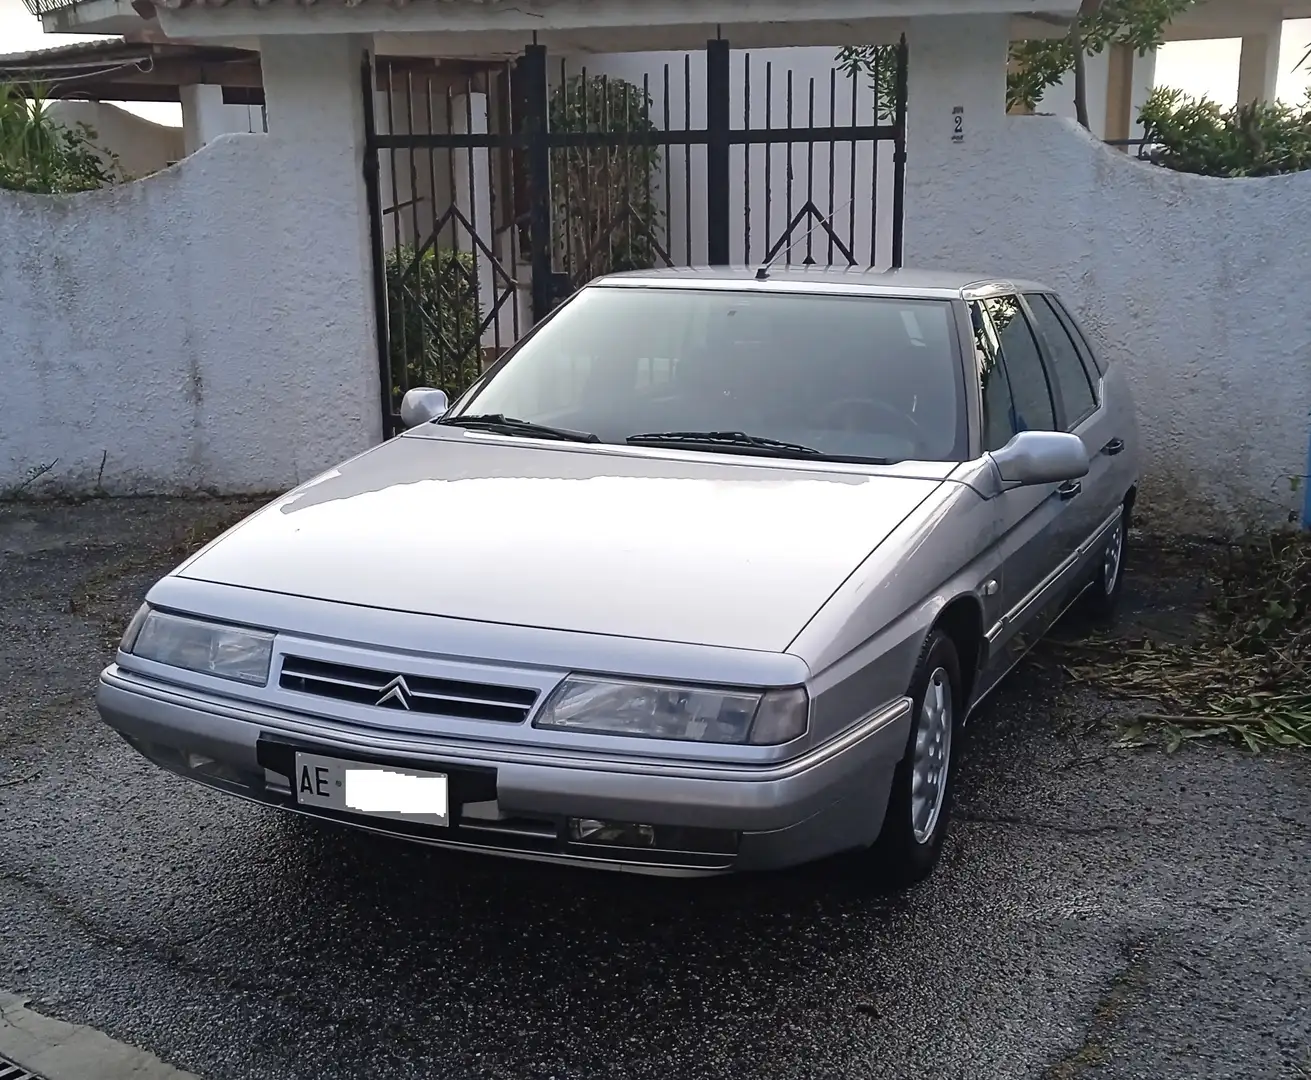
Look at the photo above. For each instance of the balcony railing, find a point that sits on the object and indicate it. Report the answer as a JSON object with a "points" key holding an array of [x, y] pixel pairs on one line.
{"points": [[1143, 146], [49, 7]]}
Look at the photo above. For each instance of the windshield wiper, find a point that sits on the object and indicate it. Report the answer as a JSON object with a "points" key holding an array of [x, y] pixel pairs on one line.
{"points": [[723, 439], [511, 425]]}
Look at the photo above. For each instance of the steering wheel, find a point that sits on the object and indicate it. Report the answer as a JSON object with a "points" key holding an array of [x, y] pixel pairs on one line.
{"points": [[841, 414]]}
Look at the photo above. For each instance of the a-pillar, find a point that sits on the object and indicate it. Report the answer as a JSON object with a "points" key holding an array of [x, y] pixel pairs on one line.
{"points": [[315, 103], [956, 110], [1258, 67]]}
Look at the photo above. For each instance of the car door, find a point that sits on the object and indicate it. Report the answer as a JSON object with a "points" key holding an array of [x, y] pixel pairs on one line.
{"points": [[1080, 408], [1037, 538]]}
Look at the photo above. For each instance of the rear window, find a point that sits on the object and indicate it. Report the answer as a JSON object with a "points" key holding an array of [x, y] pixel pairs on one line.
{"points": [[851, 376]]}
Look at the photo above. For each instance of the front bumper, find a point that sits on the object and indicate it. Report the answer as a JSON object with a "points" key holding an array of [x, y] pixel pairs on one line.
{"points": [[514, 801]]}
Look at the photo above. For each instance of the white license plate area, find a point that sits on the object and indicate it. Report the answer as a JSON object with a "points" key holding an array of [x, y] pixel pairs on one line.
{"points": [[380, 791]]}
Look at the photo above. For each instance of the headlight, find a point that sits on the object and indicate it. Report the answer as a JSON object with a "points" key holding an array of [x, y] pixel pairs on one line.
{"points": [[655, 711], [227, 652]]}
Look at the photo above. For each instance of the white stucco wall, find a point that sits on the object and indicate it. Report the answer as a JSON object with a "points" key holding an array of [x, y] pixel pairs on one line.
{"points": [[1199, 285], [205, 117], [206, 328]]}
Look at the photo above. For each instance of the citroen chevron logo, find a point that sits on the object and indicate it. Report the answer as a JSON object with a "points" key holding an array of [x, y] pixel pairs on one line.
{"points": [[395, 695]]}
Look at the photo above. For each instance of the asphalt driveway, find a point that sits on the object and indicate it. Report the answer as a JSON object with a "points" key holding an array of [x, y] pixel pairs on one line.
{"points": [[1100, 913]]}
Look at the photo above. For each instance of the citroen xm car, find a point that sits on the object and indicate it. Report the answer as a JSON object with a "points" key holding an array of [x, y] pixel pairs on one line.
{"points": [[704, 575]]}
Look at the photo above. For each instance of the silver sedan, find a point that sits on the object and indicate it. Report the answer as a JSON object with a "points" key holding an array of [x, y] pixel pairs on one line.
{"points": [[704, 575]]}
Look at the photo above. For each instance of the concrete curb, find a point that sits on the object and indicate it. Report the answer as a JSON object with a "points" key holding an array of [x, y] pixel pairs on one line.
{"points": [[55, 1050]]}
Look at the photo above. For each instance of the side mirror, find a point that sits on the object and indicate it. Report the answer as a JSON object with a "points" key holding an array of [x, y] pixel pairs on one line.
{"points": [[1041, 457], [421, 405]]}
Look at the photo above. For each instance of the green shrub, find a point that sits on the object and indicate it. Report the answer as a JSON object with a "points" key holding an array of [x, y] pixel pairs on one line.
{"points": [[1198, 136], [40, 155], [435, 319], [605, 211]]}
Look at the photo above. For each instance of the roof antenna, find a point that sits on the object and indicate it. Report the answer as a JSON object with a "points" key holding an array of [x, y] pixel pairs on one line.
{"points": [[762, 272]]}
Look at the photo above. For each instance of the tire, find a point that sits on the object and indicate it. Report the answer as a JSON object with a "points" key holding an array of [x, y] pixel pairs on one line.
{"points": [[1102, 599], [914, 825]]}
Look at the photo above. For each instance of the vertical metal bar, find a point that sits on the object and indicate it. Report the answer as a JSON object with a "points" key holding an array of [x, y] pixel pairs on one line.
{"points": [[539, 170], [899, 162], [668, 175], [626, 193], [584, 230], [746, 156], [475, 255], [810, 177], [832, 160], [787, 213], [687, 157], [373, 200], [851, 210], [563, 157], [512, 120], [874, 147], [769, 156], [718, 79], [449, 345], [609, 158], [402, 376], [422, 300], [648, 166]]}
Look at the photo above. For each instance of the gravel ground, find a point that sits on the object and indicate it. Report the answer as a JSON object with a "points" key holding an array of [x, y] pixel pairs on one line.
{"points": [[1100, 913]]}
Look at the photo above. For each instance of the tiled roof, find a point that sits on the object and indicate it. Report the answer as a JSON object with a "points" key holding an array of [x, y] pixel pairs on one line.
{"points": [[78, 50]]}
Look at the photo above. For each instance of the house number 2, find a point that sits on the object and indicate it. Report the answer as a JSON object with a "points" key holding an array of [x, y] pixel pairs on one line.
{"points": [[958, 124]]}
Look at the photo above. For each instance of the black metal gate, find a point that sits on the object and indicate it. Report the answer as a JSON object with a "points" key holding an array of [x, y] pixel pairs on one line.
{"points": [[495, 190]]}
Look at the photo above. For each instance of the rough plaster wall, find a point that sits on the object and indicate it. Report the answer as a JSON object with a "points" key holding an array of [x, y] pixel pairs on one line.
{"points": [[1198, 284], [205, 328], [142, 146]]}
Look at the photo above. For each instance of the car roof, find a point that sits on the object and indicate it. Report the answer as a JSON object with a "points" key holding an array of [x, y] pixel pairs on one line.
{"points": [[905, 282]]}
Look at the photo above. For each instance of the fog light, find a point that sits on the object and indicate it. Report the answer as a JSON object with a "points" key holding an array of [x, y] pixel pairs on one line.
{"points": [[619, 833]]}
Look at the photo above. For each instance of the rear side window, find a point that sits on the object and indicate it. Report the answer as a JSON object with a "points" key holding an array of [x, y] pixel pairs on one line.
{"points": [[1090, 359], [1033, 409], [1073, 386], [998, 408]]}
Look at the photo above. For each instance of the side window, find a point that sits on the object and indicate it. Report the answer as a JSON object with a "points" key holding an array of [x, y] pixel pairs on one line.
{"points": [[1090, 359], [1078, 398], [998, 421], [1024, 367]]}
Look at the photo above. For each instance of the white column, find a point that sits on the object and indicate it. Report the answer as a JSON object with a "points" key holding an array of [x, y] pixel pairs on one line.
{"points": [[956, 103], [315, 103], [202, 107], [1258, 68]]}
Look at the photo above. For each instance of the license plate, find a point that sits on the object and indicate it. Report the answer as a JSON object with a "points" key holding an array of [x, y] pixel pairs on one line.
{"points": [[373, 790]]}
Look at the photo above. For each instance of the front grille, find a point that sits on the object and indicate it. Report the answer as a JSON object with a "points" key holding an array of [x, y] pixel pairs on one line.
{"points": [[407, 693]]}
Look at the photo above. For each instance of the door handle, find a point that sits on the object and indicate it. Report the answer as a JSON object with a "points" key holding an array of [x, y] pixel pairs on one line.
{"points": [[1069, 489], [1113, 447]]}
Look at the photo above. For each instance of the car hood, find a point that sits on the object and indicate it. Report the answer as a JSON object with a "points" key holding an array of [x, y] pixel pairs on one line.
{"points": [[715, 550]]}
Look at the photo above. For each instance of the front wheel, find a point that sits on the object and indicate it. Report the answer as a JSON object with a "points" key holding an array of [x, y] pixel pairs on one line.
{"points": [[920, 802]]}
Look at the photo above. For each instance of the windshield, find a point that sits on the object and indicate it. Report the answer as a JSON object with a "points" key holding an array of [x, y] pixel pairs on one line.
{"points": [[861, 377]]}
